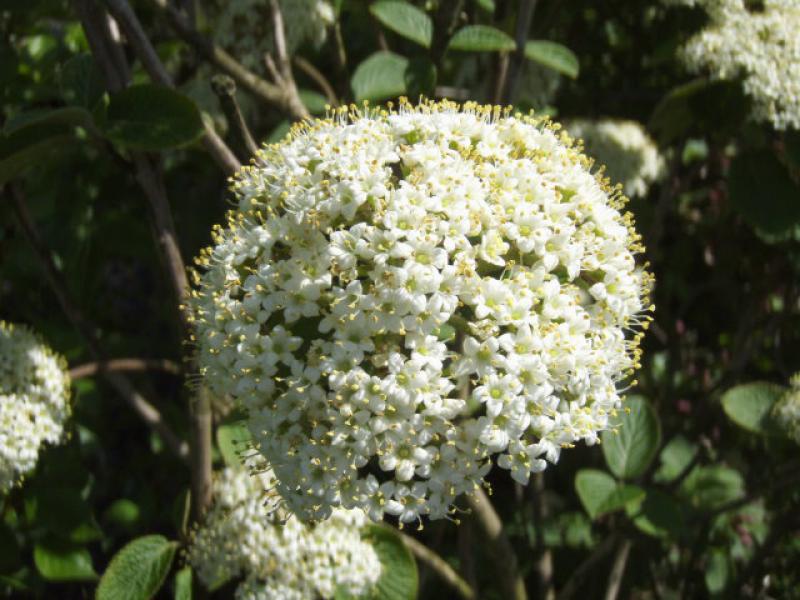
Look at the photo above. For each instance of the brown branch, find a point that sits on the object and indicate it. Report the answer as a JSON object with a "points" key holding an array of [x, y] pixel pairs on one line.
{"points": [[130, 365], [144, 50], [500, 549], [618, 570], [146, 411], [439, 566], [225, 89], [268, 92], [317, 77], [524, 20], [579, 575]]}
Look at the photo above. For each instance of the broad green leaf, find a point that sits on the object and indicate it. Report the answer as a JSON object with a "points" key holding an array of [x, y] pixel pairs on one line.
{"points": [[280, 131], [81, 81], [313, 101], [379, 77], [183, 584], [420, 77], [404, 19], [487, 5], [657, 514], [123, 513], [233, 439], [138, 570], [63, 512], [709, 487], [152, 117], [675, 457], [631, 445], [398, 580], [481, 38], [761, 190], [600, 493], [554, 56], [63, 561], [68, 115], [717, 571], [750, 405]]}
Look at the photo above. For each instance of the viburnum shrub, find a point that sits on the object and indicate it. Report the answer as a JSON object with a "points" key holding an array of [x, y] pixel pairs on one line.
{"points": [[403, 298], [245, 535], [34, 400]]}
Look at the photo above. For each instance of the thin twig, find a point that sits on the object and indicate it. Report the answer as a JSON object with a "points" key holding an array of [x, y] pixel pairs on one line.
{"points": [[524, 20], [439, 566], [146, 53], [130, 365], [225, 89], [146, 411], [500, 549], [261, 88], [316, 75], [618, 570], [579, 575]]}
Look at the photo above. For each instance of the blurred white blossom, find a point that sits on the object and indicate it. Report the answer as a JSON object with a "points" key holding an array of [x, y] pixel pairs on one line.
{"points": [[244, 27], [759, 45], [245, 536], [34, 401], [787, 410], [401, 297], [630, 156]]}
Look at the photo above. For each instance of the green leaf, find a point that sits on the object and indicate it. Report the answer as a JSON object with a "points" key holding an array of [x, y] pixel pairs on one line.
{"points": [[420, 77], [717, 571], [481, 38], [712, 486], [632, 444], [404, 19], [750, 405], [123, 513], [152, 117], [761, 190], [487, 5], [63, 512], [379, 77], [233, 439], [81, 81], [183, 584], [657, 514], [600, 493], [58, 560], [675, 457], [398, 580], [69, 116], [314, 102], [280, 131], [554, 56], [138, 570]]}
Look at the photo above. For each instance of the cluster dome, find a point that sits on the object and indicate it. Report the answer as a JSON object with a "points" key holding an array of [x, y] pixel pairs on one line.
{"points": [[403, 299], [34, 401], [245, 535]]}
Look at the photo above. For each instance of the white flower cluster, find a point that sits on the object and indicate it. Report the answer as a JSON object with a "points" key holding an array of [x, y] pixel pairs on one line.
{"points": [[402, 296], [761, 46], [34, 400], [787, 410], [245, 535], [630, 156], [244, 27]]}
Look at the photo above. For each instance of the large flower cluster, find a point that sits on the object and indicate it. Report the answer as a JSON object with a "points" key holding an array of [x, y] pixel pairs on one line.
{"points": [[401, 297], [629, 155], [759, 45], [245, 27], [246, 535], [34, 400], [787, 410]]}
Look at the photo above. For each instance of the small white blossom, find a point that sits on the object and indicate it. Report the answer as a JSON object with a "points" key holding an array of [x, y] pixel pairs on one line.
{"points": [[758, 45], [479, 304], [787, 410], [245, 535], [630, 156], [34, 401]]}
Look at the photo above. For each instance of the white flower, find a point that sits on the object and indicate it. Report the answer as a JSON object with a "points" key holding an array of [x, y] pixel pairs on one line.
{"points": [[626, 150], [758, 45], [34, 401], [246, 535], [244, 27], [787, 410], [452, 323]]}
